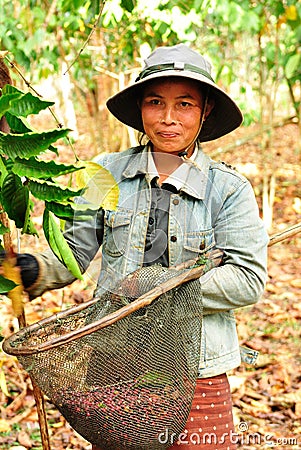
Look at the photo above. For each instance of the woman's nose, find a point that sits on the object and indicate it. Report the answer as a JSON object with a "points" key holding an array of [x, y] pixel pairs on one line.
{"points": [[169, 115]]}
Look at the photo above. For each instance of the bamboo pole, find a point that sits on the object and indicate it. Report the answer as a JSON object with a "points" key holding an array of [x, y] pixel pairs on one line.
{"points": [[142, 301], [285, 234]]}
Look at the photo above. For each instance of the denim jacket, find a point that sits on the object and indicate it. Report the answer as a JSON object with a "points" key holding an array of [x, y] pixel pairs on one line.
{"points": [[216, 208]]}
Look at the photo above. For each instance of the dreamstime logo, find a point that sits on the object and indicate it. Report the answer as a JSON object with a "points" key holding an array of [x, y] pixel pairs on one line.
{"points": [[241, 437]]}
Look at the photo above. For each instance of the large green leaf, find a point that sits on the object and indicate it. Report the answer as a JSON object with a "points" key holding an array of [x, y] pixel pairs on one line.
{"points": [[70, 211], [3, 170], [28, 144], [6, 285], [6, 102], [26, 103], [17, 125], [32, 168], [45, 190], [59, 245], [15, 198]]}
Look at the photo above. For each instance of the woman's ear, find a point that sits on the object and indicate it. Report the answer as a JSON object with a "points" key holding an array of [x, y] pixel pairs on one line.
{"points": [[209, 107]]}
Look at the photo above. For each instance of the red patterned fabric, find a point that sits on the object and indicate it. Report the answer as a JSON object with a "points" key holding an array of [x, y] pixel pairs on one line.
{"points": [[210, 422]]}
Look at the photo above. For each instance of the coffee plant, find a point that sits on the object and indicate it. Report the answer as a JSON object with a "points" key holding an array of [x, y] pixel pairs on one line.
{"points": [[25, 175]]}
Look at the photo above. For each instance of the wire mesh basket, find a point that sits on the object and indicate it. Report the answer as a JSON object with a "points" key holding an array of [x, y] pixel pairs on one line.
{"points": [[122, 368]]}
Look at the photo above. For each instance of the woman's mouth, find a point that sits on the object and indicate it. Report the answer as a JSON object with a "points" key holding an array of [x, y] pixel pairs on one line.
{"points": [[167, 134]]}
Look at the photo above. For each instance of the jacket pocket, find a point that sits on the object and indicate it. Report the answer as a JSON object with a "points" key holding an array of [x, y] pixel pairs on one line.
{"points": [[198, 243], [116, 231]]}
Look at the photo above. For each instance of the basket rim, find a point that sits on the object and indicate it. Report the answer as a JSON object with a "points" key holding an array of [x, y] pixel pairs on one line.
{"points": [[193, 272]]}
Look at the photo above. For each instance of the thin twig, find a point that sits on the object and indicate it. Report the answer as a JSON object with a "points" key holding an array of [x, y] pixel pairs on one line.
{"points": [[88, 38]]}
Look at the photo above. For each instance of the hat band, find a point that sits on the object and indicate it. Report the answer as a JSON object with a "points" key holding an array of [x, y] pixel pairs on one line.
{"points": [[173, 66]]}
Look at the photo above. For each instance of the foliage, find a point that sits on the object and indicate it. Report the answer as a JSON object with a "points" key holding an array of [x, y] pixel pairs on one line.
{"points": [[40, 38], [24, 175]]}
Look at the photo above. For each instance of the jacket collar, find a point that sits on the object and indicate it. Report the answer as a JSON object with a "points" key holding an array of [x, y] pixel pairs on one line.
{"points": [[194, 181]]}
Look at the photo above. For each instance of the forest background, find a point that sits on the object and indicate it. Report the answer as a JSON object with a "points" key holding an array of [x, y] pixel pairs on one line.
{"points": [[78, 53]]}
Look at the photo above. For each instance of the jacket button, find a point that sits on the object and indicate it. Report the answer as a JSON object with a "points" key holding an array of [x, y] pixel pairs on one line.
{"points": [[202, 246], [173, 238], [151, 221], [176, 201]]}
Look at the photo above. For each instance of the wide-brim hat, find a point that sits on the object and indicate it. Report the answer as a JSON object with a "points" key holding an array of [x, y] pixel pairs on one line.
{"points": [[178, 61]]}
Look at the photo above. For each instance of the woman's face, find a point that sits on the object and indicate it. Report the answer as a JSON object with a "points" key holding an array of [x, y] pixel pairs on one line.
{"points": [[171, 114]]}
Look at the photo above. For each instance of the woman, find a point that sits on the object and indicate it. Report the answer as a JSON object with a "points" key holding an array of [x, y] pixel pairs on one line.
{"points": [[176, 203]]}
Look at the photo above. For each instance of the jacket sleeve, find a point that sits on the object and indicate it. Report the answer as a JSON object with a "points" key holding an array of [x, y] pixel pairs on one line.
{"points": [[241, 235], [84, 238]]}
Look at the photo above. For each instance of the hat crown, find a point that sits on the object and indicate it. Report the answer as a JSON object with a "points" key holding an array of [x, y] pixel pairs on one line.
{"points": [[175, 61], [178, 55]]}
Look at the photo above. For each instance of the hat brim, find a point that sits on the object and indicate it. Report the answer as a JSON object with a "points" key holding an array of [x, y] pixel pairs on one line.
{"points": [[224, 117]]}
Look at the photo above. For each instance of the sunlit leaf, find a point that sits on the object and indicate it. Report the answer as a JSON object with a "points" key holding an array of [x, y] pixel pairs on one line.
{"points": [[59, 245], [291, 12], [28, 144], [101, 187]]}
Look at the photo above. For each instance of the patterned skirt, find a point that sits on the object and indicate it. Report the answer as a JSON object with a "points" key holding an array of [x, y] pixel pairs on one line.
{"points": [[210, 422]]}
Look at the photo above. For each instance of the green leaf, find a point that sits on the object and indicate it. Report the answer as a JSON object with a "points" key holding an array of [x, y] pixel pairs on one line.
{"points": [[45, 190], [29, 228], [292, 65], [15, 198], [3, 229], [6, 285], [17, 125], [3, 170], [70, 211], [6, 102], [128, 5], [28, 144], [26, 103], [32, 168], [59, 245]]}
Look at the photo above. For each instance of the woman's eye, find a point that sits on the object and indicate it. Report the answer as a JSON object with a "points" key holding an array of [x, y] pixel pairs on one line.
{"points": [[185, 104], [155, 101]]}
